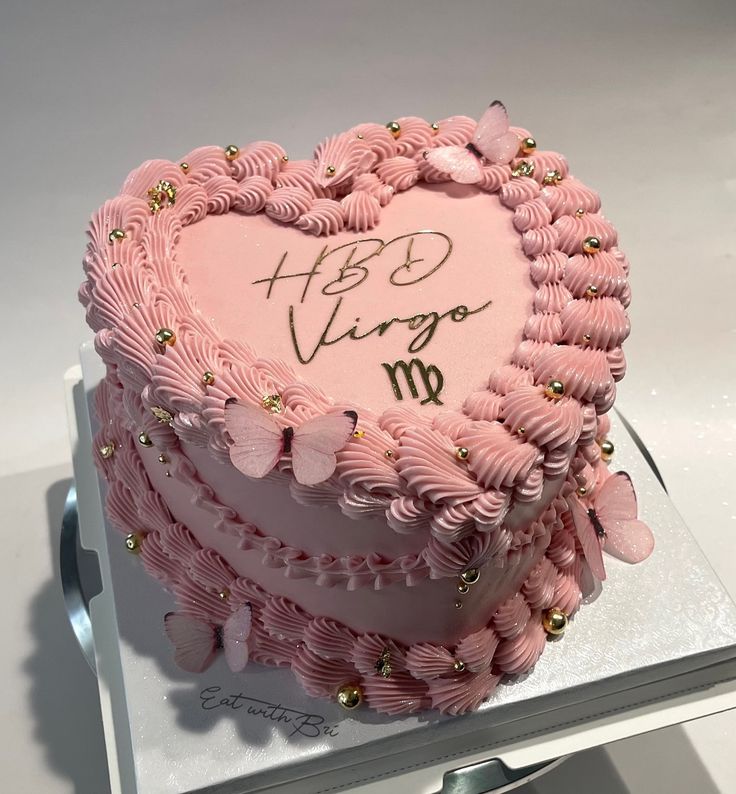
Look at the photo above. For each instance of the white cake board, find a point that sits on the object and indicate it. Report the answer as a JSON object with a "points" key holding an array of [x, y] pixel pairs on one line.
{"points": [[657, 648]]}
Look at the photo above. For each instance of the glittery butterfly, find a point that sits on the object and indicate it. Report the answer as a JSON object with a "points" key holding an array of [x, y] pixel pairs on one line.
{"points": [[609, 522], [492, 143], [259, 443], [197, 642]]}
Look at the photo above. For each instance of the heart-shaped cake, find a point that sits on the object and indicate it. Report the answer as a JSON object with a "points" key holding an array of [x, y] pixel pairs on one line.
{"points": [[354, 411]]}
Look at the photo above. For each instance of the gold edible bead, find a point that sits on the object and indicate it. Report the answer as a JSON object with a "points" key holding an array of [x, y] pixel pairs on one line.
{"points": [[459, 666], [272, 403], [579, 212], [223, 594], [231, 151], [521, 430], [555, 621], [461, 453], [330, 170], [555, 389], [284, 158], [552, 177], [184, 167], [208, 378], [458, 604], [162, 458], [435, 126], [582, 490], [107, 450], [115, 265], [607, 449], [592, 291], [389, 453], [591, 245], [470, 576], [165, 336], [163, 416], [349, 696], [144, 440], [359, 434], [527, 146], [586, 338], [133, 542], [394, 128], [524, 168], [115, 235], [463, 588]]}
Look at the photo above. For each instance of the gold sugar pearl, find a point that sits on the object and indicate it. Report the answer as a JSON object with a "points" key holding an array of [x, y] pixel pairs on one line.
{"points": [[459, 666], [359, 434], [162, 458], [107, 450], [592, 291], [223, 594], [470, 576], [607, 449], [579, 212], [349, 696], [394, 128], [389, 453], [272, 403], [133, 542], [435, 126], [524, 168], [167, 474], [360, 136], [552, 177], [591, 245], [163, 416], [115, 265], [330, 170], [521, 430], [555, 621], [463, 588], [116, 235], [462, 453], [555, 389], [208, 378], [144, 440], [586, 338], [284, 158], [184, 167], [582, 490], [527, 145], [136, 305], [458, 604], [231, 151], [165, 336]]}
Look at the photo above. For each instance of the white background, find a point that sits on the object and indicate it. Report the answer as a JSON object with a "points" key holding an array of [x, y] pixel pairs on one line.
{"points": [[640, 97]]}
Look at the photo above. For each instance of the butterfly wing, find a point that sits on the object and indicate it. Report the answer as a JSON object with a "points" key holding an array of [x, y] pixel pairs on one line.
{"points": [[492, 136], [588, 539], [257, 440], [235, 635], [315, 443], [457, 161], [195, 642], [627, 538]]}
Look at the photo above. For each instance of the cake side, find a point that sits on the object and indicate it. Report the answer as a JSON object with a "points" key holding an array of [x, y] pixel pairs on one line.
{"points": [[460, 517]]}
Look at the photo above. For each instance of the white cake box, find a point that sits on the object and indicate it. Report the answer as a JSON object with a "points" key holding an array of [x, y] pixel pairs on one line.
{"points": [[657, 647]]}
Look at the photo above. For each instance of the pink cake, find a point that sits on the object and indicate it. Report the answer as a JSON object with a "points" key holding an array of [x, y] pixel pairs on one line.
{"points": [[354, 417]]}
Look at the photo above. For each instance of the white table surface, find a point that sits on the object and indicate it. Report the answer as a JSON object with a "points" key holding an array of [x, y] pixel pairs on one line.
{"points": [[639, 96]]}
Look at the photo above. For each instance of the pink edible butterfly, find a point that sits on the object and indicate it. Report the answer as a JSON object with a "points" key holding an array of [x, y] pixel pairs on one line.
{"points": [[492, 143], [196, 642], [259, 443], [610, 523]]}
